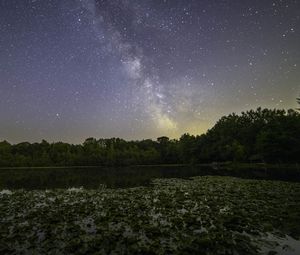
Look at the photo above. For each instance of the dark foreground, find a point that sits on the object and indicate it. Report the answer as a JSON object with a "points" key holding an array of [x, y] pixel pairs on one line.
{"points": [[204, 215]]}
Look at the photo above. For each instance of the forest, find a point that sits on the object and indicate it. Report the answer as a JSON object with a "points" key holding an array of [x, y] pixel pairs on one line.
{"points": [[255, 136]]}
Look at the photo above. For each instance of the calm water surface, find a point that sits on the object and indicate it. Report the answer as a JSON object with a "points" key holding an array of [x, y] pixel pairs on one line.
{"points": [[121, 177]]}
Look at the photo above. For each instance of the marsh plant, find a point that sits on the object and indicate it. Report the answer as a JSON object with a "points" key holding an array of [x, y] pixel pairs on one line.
{"points": [[202, 215]]}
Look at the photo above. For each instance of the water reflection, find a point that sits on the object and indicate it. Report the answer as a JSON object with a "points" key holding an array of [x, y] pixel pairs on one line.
{"points": [[93, 177]]}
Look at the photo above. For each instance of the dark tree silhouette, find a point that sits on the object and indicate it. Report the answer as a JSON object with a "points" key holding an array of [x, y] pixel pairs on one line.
{"points": [[263, 135]]}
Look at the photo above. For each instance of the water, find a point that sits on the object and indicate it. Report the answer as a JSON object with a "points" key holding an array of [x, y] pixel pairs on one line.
{"points": [[122, 177]]}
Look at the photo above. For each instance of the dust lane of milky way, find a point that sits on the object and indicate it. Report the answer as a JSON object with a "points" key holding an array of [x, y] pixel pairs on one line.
{"points": [[141, 69]]}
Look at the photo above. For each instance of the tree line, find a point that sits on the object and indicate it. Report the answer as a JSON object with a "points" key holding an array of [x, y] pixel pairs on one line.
{"points": [[261, 135]]}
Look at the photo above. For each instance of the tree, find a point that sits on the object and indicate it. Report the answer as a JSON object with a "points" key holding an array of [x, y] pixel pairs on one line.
{"points": [[187, 148], [265, 134], [261, 135], [6, 158]]}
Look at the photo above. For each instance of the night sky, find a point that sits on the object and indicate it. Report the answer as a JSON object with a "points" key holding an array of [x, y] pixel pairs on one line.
{"points": [[142, 68]]}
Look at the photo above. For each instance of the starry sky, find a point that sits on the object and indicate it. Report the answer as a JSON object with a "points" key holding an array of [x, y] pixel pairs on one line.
{"points": [[140, 69]]}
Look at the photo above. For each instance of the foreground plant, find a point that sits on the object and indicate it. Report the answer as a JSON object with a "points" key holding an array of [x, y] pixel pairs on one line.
{"points": [[204, 215]]}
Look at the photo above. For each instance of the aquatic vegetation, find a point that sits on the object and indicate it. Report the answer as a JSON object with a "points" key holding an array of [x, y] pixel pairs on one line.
{"points": [[203, 215]]}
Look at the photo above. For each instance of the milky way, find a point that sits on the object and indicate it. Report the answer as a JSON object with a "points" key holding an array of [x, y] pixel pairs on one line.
{"points": [[141, 68]]}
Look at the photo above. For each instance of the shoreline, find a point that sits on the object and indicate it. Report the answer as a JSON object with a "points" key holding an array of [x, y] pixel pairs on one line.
{"points": [[230, 165]]}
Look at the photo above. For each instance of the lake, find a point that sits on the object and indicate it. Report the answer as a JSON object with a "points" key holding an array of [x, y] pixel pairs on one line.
{"points": [[122, 177], [201, 211]]}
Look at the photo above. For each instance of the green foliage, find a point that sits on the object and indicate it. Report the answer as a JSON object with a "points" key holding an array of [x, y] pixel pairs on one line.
{"points": [[263, 135], [203, 215]]}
